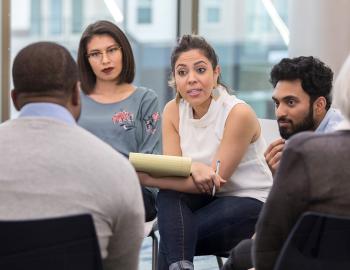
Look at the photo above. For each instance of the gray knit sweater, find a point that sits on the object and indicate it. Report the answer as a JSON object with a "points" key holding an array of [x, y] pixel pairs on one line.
{"points": [[49, 168]]}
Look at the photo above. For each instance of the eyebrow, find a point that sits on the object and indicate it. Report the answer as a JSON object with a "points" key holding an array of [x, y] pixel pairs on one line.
{"points": [[195, 64], [285, 98], [180, 65], [110, 46], [200, 62]]}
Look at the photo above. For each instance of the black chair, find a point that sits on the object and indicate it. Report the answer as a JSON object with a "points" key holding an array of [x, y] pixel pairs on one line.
{"points": [[63, 243], [317, 242]]}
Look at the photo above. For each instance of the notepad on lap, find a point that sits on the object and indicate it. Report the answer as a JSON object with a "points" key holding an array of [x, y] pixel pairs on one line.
{"points": [[161, 165]]}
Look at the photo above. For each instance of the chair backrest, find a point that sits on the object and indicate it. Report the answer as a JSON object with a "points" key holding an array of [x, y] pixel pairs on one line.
{"points": [[68, 243], [317, 241], [269, 129]]}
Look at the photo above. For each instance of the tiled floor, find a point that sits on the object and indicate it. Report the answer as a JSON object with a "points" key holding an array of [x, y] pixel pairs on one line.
{"points": [[200, 263]]}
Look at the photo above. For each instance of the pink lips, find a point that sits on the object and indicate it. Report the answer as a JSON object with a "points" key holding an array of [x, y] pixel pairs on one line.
{"points": [[193, 92], [107, 70]]}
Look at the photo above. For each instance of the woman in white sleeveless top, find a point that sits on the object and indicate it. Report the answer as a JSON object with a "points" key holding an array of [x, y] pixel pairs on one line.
{"points": [[207, 124]]}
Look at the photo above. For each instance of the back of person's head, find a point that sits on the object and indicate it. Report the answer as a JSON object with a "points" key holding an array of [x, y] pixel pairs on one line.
{"points": [[86, 74], [44, 71], [316, 78], [341, 90]]}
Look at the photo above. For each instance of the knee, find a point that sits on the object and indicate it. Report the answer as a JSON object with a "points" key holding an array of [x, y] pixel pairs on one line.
{"points": [[169, 200]]}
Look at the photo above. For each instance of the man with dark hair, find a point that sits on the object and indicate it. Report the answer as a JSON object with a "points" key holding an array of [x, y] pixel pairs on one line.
{"points": [[52, 167], [302, 88], [302, 97]]}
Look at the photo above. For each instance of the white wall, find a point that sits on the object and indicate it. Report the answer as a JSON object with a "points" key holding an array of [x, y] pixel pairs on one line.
{"points": [[320, 28]]}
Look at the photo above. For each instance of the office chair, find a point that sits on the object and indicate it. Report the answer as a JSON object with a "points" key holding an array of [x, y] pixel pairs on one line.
{"points": [[318, 242], [62, 243]]}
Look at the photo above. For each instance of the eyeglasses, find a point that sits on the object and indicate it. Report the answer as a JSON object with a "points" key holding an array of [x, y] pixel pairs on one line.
{"points": [[97, 56]]}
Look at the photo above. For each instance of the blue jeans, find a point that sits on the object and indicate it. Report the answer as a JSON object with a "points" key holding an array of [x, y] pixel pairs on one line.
{"points": [[191, 224]]}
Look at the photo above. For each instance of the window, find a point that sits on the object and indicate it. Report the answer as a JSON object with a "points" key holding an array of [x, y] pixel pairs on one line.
{"points": [[213, 15], [248, 45], [63, 21], [77, 16], [56, 17], [35, 17], [144, 12], [211, 11]]}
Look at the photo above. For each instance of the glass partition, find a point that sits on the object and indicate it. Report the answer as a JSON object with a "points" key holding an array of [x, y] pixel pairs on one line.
{"points": [[250, 36], [149, 24]]}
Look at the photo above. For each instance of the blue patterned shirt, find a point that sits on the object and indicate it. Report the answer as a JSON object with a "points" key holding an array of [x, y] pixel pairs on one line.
{"points": [[130, 125]]}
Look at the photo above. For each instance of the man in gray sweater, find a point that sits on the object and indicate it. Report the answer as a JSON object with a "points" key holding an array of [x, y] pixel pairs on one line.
{"points": [[51, 167]]}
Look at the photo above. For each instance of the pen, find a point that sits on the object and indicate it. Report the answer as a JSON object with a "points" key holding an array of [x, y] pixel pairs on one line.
{"points": [[216, 172]]}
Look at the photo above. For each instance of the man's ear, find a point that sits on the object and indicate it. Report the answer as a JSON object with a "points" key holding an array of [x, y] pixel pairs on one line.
{"points": [[320, 105], [75, 99], [74, 105], [14, 97]]}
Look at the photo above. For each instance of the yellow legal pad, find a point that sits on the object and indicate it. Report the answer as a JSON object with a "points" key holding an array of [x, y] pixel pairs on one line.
{"points": [[161, 165]]}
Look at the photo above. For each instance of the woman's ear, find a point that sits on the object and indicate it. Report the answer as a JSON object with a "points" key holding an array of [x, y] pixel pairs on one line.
{"points": [[217, 71], [74, 104], [178, 97], [75, 99]]}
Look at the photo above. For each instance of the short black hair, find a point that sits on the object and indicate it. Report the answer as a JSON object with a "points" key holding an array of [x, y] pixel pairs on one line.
{"points": [[316, 78], [44, 69], [86, 74]]}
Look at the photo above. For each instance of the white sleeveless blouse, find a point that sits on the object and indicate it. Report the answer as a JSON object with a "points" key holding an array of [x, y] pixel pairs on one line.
{"points": [[200, 139]]}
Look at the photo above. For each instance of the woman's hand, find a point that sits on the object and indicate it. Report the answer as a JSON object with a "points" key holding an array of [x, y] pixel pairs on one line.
{"points": [[205, 178], [144, 178]]}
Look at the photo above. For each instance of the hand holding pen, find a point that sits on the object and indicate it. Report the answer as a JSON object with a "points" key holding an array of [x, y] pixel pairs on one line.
{"points": [[204, 177]]}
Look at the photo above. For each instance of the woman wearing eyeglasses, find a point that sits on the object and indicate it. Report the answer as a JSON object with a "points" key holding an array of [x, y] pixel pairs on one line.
{"points": [[123, 115]]}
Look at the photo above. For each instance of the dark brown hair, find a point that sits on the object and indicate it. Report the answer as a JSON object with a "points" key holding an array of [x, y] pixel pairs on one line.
{"points": [[44, 69], [86, 74], [192, 42]]}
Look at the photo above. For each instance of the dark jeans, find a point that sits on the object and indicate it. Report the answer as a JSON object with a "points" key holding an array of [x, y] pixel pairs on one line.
{"points": [[192, 224], [149, 200]]}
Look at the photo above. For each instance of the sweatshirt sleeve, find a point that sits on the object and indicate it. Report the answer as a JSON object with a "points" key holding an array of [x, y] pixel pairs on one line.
{"points": [[128, 224], [286, 202]]}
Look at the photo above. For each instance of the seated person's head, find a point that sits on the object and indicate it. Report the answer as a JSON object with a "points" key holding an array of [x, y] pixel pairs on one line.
{"points": [[194, 66], [301, 94], [103, 42], [341, 90], [45, 72]]}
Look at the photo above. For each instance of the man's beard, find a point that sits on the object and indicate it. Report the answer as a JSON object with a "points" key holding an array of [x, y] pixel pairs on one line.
{"points": [[307, 124]]}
